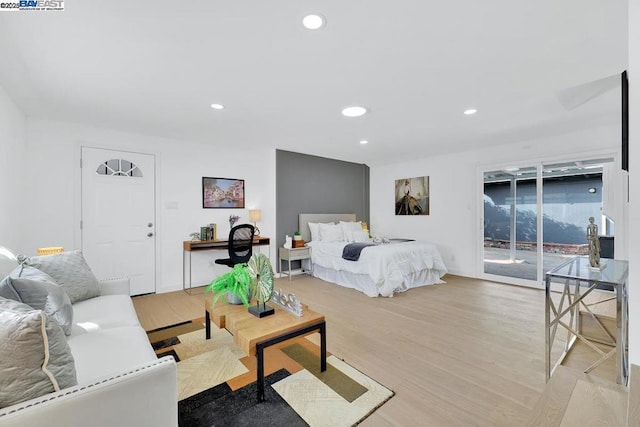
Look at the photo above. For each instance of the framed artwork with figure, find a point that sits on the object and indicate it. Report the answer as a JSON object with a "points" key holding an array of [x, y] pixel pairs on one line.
{"points": [[221, 193], [412, 196]]}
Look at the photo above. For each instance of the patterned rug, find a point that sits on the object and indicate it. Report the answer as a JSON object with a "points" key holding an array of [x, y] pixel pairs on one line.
{"points": [[216, 382]]}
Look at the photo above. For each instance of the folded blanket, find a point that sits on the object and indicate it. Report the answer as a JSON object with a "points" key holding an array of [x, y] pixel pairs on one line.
{"points": [[351, 252]]}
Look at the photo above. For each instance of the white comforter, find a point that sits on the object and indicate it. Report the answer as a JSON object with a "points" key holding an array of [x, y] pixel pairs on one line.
{"points": [[388, 265]]}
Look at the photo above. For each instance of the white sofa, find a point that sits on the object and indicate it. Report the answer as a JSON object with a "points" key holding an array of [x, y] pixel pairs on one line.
{"points": [[120, 380]]}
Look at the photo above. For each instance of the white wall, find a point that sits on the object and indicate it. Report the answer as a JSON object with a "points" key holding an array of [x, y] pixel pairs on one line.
{"points": [[52, 191], [634, 181], [12, 147], [455, 185]]}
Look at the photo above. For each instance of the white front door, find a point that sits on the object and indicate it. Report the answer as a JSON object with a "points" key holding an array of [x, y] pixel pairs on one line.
{"points": [[118, 216]]}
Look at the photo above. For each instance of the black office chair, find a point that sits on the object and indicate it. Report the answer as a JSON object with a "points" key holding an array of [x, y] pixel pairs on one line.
{"points": [[240, 245]]}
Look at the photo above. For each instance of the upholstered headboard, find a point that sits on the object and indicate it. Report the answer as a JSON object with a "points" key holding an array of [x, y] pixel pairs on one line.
{"points": [[305, 219]]}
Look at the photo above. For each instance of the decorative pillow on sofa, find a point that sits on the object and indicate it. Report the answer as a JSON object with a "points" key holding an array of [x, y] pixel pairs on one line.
{"points": [[7, 291], [34, 356], [71, 272], [39, 290]]}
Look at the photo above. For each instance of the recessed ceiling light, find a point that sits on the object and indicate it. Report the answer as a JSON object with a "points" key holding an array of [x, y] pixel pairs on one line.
{"points": [[470, 111], [354, 111], [364, 141], [217, 106], [512, 169], [313, 22]]}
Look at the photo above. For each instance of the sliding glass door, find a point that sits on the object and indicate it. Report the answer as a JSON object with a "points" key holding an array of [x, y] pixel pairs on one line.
{"points": [[510, 222], [572, 194], [556, 199]]}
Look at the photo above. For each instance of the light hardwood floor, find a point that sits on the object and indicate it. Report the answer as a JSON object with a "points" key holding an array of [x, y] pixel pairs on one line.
{"points": [[466, 353]]}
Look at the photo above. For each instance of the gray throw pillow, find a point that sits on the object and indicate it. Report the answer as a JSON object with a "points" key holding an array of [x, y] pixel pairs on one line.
{"points": [[35, 358], [7, 291], [71, 272], [39, 290]]}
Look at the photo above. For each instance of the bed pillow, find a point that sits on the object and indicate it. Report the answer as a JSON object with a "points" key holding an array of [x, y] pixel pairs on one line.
{"points": [[35, 358], [71, 272], [38, 290], [314, 228], [331, 233], [360, 236], [348, 228]]}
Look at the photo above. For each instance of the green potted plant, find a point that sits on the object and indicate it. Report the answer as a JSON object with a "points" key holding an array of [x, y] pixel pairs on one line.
{"points": [[235, 284]]}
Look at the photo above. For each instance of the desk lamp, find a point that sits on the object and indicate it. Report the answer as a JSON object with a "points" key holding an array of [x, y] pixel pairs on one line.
{"points": [[255, 215]]}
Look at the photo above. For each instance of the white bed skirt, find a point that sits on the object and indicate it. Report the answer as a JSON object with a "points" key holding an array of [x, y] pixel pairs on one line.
{"points": [[366, 285]]}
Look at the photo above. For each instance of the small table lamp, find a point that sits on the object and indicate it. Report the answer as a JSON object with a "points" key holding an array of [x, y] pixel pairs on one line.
{"points": [[255, 215]]}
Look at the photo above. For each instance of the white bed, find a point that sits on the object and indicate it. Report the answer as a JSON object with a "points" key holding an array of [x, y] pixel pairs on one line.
{"points": [[382, 270]]}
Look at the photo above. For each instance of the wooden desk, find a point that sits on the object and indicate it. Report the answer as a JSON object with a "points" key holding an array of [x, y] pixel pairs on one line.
{"points": [[252, 334], [190, 246]]}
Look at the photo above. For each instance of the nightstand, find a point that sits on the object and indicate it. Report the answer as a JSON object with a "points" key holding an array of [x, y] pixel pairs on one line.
{"points": [[294, 254]]}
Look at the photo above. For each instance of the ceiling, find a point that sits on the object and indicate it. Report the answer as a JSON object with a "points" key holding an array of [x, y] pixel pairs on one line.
{"points": [[154, 67]]}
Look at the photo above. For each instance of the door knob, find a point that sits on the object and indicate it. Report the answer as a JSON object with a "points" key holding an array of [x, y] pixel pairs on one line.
{"points": [[150, 224], [149, 234]]}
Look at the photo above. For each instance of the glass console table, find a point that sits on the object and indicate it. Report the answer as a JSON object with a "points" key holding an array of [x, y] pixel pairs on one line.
{"points": [[578, 280]]}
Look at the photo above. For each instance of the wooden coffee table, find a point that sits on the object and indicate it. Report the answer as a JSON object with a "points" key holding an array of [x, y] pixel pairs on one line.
{"points": [[252, 334]]}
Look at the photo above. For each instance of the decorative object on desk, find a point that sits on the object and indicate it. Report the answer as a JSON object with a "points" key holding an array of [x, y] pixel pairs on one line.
{"points": [[289, 302], [261, 273], [412, 196], [232, 220], [236, 284], [255, 215], [297, 236], [287, 242], [222, 193], [208, 232], [195, 236], [594, 244]]}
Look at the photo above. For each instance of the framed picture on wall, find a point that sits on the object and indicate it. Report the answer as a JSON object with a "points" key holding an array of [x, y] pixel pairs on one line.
{"points": [[412, 196], [222, 193]]}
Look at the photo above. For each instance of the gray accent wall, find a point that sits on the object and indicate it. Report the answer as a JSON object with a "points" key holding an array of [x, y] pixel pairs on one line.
{"points": [[312, 184]]}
